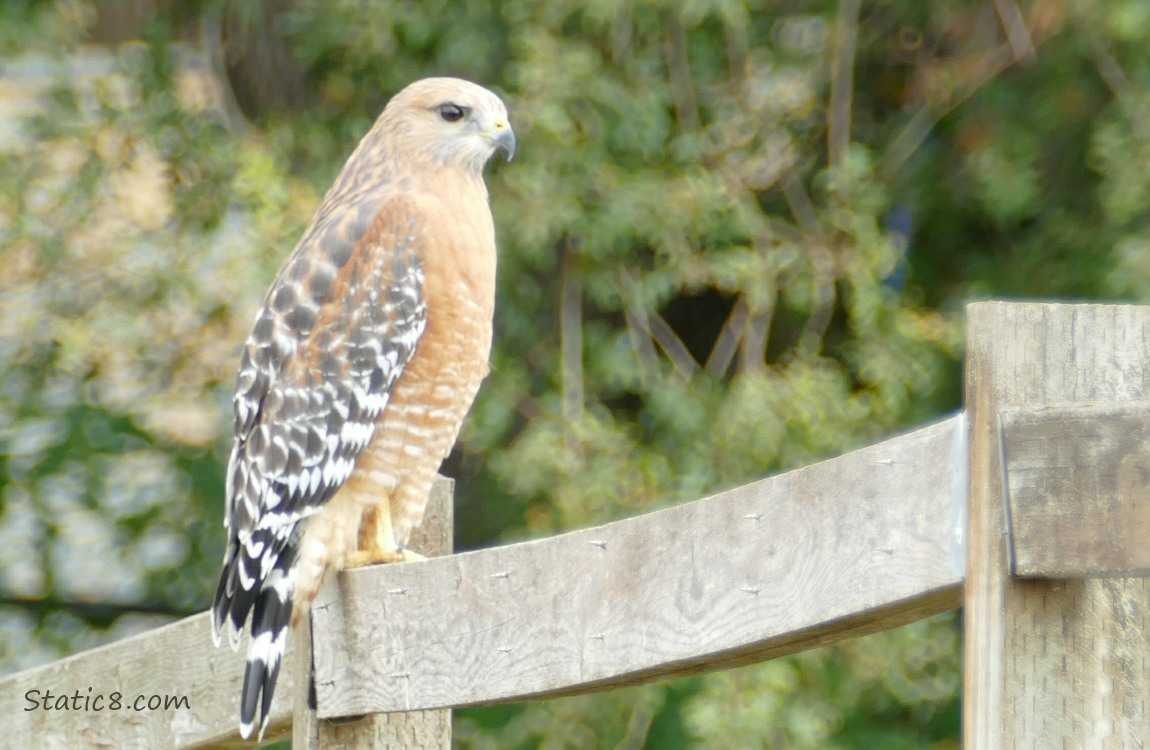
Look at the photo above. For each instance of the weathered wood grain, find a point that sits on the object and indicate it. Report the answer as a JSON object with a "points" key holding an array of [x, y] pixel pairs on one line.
{"points": [[410, 730], [1049, 663], [848, 546], [1078, 484], [177, 660]]}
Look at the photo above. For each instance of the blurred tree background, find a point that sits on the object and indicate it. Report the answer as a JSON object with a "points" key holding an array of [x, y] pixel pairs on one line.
{"points": [[736, 240]]}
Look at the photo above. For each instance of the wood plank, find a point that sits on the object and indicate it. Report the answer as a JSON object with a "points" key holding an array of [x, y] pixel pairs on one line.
{"points": [[1078, 485], [304, 725], [845, 547], [1048, 663], [177, 660], [410, 730]]}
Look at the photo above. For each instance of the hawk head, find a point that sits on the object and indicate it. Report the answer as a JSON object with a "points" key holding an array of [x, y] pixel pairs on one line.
{"points": [[450, 122]]}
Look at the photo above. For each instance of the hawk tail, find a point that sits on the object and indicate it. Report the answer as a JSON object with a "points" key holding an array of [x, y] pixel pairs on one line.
{"points": [[271, 623], [244, 589]]}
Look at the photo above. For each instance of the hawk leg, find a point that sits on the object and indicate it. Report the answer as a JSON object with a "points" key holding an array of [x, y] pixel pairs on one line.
{"points": [[377, 542]]}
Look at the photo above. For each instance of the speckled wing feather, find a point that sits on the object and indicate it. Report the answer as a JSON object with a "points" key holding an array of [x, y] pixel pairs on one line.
{"points": [[340, 323]]}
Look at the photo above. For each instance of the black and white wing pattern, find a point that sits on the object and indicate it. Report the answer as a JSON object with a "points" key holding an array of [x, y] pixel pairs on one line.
{"points": [[341, 321]]}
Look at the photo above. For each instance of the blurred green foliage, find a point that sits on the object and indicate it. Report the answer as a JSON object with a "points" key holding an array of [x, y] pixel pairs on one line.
{"points": [[721, 257]]}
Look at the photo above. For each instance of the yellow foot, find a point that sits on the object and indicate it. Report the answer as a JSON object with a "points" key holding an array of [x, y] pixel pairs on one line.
{"points": [[364, 557]]}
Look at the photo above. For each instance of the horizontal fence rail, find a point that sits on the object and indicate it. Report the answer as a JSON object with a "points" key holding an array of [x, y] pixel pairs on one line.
{"points": [[1076, 480], [853, 545], [175, 660], [849, 546]]}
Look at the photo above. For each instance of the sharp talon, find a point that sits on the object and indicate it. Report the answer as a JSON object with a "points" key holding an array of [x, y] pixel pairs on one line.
{"points": [[407, 555], [362, 558]]}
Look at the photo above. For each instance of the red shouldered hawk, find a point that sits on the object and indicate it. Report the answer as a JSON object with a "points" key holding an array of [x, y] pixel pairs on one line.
{"points": [[362, 363]]}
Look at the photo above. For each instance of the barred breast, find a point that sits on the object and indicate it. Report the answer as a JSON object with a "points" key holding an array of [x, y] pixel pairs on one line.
{"points": [[427, 408]]}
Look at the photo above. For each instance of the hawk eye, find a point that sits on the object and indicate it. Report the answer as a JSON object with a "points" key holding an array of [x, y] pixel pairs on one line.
{"points": [[452, 112]]}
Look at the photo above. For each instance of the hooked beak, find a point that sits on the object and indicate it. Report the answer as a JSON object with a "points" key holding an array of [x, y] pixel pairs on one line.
{"points": [[504, 138]]}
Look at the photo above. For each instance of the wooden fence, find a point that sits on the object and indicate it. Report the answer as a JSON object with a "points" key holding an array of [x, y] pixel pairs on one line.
{"points": [[1028, 509]]}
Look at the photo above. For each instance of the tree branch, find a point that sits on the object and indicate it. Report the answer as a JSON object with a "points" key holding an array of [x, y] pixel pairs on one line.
{"points": [[1014, 25], [842, 82], [638, 331], [728, 342], [672, 346], [571, 333], [679, 73]]}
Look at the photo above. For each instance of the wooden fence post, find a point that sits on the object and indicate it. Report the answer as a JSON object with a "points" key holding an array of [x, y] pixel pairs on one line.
{"points": [[414, 730], [1049, 663]]}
